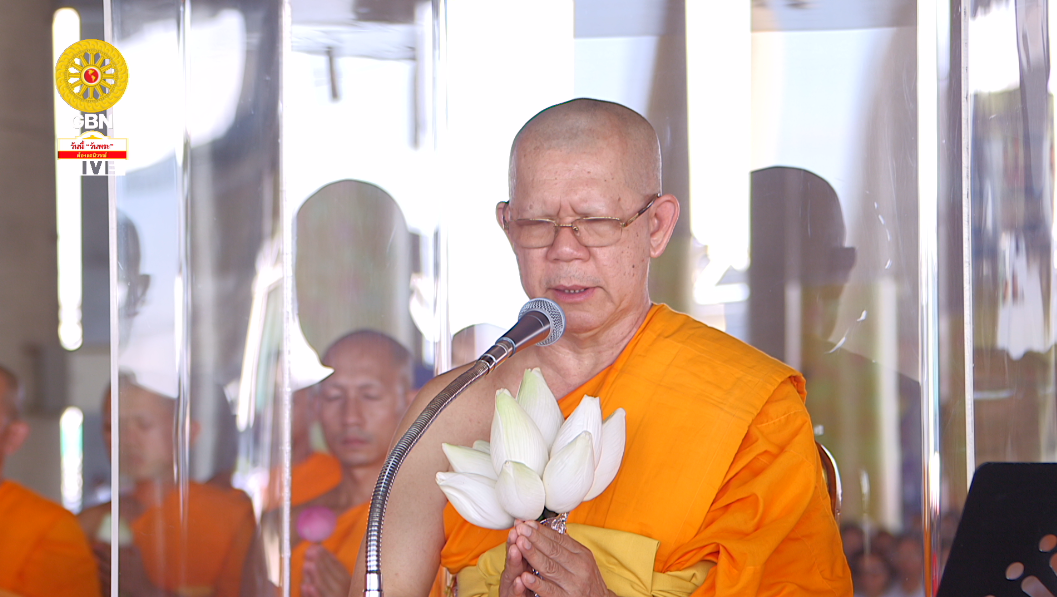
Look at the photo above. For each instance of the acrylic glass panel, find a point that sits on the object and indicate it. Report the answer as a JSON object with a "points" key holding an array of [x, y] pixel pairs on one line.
{"points": [[364, 271], [998, 399], [1011, 185], [200, 326], [832, 281]]}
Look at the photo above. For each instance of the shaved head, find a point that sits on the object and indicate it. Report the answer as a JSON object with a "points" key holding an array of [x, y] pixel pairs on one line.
{"points": [[10, 393], [586, 125], [394, 353], [362, 402]]}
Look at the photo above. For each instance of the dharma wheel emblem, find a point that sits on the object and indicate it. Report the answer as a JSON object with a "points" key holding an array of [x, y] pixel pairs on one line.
{"points": [[91, 76]]}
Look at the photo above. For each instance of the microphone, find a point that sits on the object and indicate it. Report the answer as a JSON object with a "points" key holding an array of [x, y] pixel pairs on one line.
{"points": [[541, 321]]}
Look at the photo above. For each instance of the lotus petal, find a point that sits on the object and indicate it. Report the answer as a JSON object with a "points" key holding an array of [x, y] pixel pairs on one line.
{"points": [[586, 417], [468, 460], [473, 496], [482, 446], [569, 475], [538, 401], [515, 436], [613, 436], [520, 491]]}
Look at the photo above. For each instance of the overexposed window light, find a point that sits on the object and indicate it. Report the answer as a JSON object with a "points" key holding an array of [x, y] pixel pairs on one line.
{"points": [[71, 454], [993, 60], [496, 79], [216, 55], [65, 31], [719, 116]]}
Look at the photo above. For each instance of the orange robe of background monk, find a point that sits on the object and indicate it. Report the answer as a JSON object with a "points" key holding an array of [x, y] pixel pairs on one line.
{"points": [[359, 407], [312, 478], [344, 543], [43, 552], [199, 551], [720, 466], [191, 539]]}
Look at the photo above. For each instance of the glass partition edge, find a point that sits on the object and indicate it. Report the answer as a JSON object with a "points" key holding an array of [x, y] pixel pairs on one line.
{"points": [[928, 21], [965, 123], [115, 433]]}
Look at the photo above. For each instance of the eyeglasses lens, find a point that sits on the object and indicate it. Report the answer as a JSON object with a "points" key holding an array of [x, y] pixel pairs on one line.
{"points": [[592, 232]]}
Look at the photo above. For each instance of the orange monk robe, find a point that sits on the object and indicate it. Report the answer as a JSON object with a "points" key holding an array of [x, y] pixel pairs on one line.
{"points": [[344, 543], [720, 466], [43, 551], [200, 551], [317, 475], [309, 479]]}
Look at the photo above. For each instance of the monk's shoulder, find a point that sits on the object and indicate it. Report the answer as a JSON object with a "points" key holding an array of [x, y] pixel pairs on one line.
{"points": [[21, 504], [36, 515], [713, 352], [467, 416], [224, 502]]}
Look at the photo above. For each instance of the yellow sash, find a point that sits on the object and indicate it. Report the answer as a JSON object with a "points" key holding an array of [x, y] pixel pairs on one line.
{"points": [[625, 560]]}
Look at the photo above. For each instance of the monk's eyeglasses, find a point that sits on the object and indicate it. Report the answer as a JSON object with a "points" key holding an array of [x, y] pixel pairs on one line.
{"points": [[593, 231]]}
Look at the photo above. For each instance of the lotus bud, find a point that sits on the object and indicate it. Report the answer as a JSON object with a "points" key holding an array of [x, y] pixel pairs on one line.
{"points": [[468, 460], [515, 436], [570, 474], [613, 436], [473, 496], [538, 401], [482, 446], [586, 417], [520, 491]]}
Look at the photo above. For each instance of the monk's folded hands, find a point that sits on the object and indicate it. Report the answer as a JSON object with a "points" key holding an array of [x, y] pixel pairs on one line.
{"points": [[325, 576], [510, 583], [566, 568]]}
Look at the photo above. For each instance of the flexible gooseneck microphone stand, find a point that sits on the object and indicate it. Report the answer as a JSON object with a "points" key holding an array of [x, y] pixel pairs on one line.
{"points": [[541, 322]]}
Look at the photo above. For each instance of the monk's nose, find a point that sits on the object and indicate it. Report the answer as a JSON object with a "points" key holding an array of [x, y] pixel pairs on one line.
{"points": [[353, 411], [566, 246]]}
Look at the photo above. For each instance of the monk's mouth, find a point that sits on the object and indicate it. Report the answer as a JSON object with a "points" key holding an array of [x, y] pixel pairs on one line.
{"points": [[572, 293]]}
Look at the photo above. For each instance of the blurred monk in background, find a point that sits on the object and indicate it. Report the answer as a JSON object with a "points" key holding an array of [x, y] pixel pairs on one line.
{"points": [[188, 539], [359, 407], [43, 553], [312, 473]]}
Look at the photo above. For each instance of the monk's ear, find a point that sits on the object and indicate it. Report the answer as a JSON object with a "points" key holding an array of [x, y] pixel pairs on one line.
{"points": [[500, 216], [13, 437], [661, 219]]}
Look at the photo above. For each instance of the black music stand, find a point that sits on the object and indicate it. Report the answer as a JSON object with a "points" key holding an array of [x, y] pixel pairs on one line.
{"points": [[1006, 542]]}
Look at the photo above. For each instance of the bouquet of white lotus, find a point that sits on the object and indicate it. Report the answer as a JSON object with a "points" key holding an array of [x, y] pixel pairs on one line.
{"points": [[536, 459]]}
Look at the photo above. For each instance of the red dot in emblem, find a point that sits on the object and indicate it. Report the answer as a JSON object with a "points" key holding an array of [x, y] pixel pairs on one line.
{"points": [[91, 75]]}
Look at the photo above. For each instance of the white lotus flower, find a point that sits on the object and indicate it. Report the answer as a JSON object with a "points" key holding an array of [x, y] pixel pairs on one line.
{"points": [[468, 460], [536, 398], [525, 468], [613, 435], [520, 491], [515, 436], [570, 474], [586, 417], [475, 498]]}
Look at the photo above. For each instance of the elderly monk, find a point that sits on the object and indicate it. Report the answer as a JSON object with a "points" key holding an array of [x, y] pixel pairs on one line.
{"points": [[191, 539], [359, 408], [721, 489], [43, 552]]}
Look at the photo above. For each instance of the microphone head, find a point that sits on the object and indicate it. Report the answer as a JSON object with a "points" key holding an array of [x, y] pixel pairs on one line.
{"points": [[552, 312]]}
